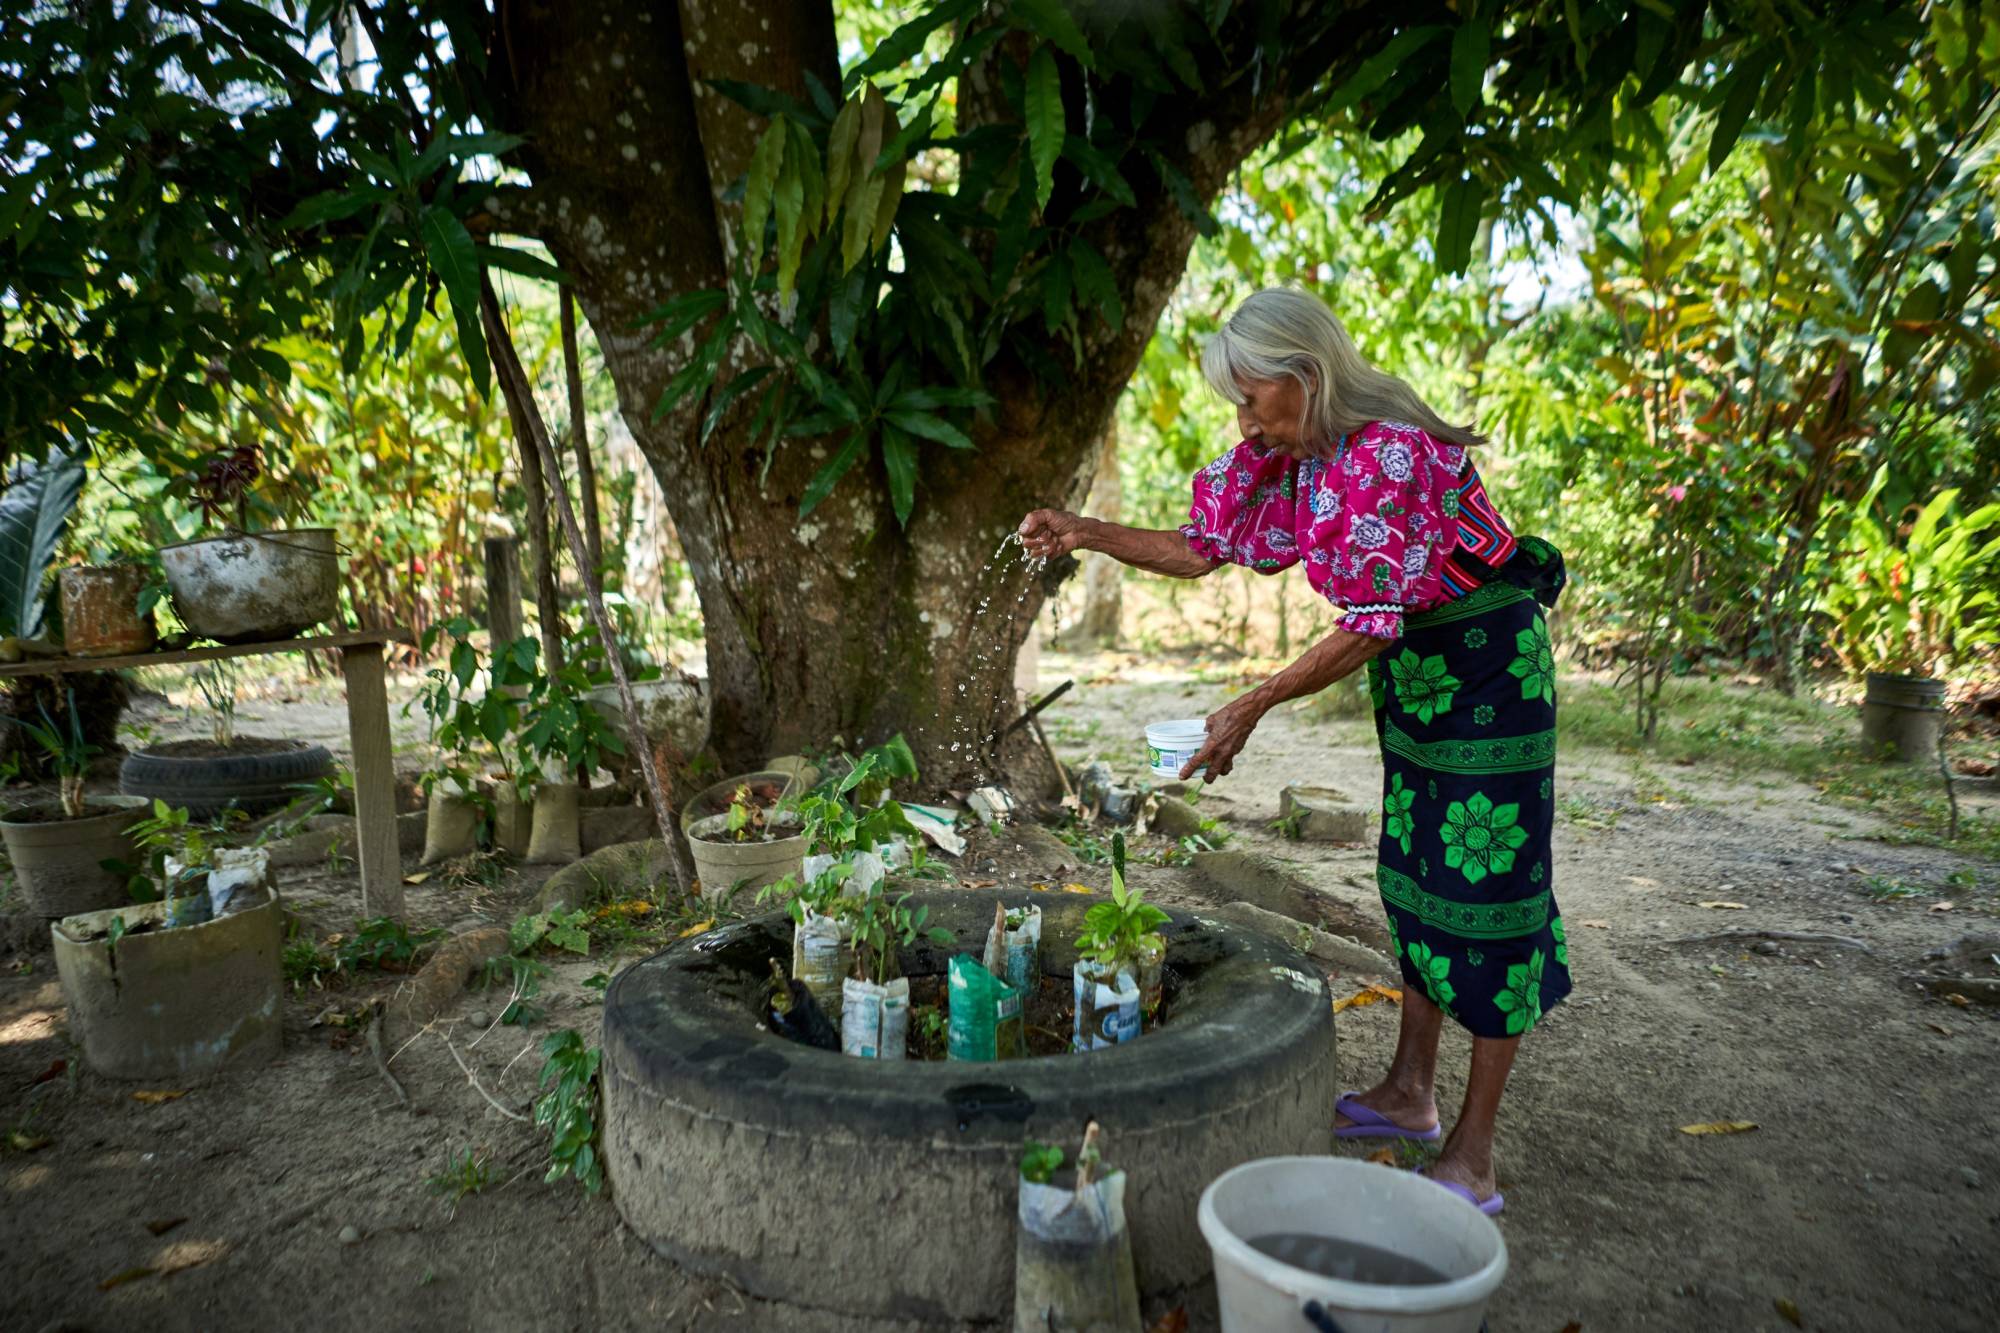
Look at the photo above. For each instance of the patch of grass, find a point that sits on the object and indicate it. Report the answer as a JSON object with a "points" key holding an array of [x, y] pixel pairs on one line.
{"points": [[381, 943], [1583, 811], [305, 964], [465, 1173], [1887, 889]]}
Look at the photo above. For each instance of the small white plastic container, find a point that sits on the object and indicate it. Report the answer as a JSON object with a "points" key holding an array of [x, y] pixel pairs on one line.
{"points": [[1169, 745], [1354, 1201]]}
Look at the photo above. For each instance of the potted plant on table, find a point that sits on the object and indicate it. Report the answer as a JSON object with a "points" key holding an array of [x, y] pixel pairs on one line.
{"points": [[1117, 975], [242, 586], [1905, 601], [59, 848]]}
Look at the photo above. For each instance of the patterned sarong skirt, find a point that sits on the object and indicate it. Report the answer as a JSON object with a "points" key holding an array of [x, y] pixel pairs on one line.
{"points": [[1465, 706]]}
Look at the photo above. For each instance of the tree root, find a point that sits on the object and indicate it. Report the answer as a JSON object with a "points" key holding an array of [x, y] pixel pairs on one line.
{"points": [[381, 1061], [1803, 937]]}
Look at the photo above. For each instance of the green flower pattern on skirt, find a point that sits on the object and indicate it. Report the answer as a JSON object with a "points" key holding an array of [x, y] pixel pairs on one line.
{"points": [[1397, 821], [1433, 968], [1535, 668], [1480, 838], [1464, 708], [1423, 684], [1522, 1000]]}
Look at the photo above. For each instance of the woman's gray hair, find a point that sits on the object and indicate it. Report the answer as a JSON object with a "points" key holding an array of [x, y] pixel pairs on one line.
{"points": [[1288, 331]]}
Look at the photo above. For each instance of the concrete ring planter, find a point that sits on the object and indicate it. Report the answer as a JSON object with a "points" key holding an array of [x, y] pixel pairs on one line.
{"points": [[59, 861], [1906, 712], [251, 587], [735, 1152], [713, 799], [173, 1003]]}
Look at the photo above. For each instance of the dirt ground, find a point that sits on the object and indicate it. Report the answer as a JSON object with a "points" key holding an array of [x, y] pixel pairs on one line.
{"points": [[1864, 1199]]}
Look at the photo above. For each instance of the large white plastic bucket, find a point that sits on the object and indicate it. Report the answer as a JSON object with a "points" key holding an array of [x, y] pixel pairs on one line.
{"points": [[1353, 1201], [1169, 745]]}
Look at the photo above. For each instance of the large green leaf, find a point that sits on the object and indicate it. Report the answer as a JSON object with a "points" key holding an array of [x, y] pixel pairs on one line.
{"points": [[899, 456], [34, 508], [1471, 47], [455, 260], [757, 187], [1458, 222], [1049, 19], [1043, 109], [829, 476]]}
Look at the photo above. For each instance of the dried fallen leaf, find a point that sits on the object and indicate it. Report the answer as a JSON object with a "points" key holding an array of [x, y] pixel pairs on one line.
{"points": [[1959, 1000], [1173, 1321], [1789, 1312], [697, 928], [20, 1140], [160, 1226], [154, 1096], [1368, 994], [1720, 906], [1383, 1157], [56, 1067], [1941, 907], [1939, 1028], [1595, 924], [983, 883], [129, 1275], [1078, 888], [1573, 1326], [1720, 1127], [417, 878]]}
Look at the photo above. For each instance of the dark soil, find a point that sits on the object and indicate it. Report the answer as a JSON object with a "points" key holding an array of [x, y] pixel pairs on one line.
{"points": [[51, 812], [208, 749]]}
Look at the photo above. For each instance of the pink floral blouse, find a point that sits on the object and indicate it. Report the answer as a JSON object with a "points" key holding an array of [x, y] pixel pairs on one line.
{"points": [[1376, 524]]}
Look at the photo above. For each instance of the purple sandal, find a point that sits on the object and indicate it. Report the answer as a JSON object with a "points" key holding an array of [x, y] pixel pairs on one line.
{"points": [[1374, 1125], [1491, 1205]]}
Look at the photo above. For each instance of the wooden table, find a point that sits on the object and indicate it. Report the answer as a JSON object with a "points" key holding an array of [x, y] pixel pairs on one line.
{"points": [[367, 729]]}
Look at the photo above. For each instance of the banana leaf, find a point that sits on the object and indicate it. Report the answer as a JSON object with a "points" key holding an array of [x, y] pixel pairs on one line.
{"points": [[34, 508]]}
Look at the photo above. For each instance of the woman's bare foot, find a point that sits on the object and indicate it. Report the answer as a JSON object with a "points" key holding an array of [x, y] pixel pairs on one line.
{"points": [[1460, 1166], [1404, 1107]]}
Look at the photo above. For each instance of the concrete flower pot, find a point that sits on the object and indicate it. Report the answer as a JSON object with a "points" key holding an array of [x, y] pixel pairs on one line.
{"points": [[1906, 712], [173, 1003], [60, 861], [748, 866], [252, 587]]}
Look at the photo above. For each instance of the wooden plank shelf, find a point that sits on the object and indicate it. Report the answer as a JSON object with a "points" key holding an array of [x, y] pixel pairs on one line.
{"points": [[361, 666]]}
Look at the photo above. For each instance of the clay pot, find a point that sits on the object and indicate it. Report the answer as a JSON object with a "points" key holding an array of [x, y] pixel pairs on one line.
{"points": [[100, 609]]}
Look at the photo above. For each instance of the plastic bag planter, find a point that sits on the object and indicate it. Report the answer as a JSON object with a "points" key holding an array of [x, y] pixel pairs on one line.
{"points": [[173, 1003], [736, 1152]]}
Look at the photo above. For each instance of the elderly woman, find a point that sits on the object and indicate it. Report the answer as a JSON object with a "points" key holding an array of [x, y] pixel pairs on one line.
{"points": [[1345, 469]]}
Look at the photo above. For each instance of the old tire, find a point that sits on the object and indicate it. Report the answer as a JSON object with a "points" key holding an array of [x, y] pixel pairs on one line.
{"points": [[888, 1189], [253, 780]]}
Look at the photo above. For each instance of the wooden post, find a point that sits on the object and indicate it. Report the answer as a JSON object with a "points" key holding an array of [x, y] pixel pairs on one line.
{"points": [[503, 589], [374, 780]]}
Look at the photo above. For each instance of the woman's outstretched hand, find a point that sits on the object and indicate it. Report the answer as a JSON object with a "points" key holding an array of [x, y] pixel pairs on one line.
{"points": [[1229, 727], [1052, 532]]}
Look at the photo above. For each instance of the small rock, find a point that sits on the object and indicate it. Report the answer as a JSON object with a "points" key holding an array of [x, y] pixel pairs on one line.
{"points": [[1321, 814], [350, 1234], [1969, 1176], [1176, 818], [479, 1018], [1847, 918], [1765, 947]]}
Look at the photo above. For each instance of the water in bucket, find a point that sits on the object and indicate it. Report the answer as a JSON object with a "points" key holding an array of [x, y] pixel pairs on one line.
{"points": [[1305, 1243]]}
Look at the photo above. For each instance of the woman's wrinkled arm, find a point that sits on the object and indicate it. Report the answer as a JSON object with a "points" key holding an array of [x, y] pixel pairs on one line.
{"points": [[1054, 532], [1333, 658]]}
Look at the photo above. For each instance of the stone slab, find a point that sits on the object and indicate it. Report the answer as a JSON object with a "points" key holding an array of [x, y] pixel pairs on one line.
{"points": [[1323, 814]]}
